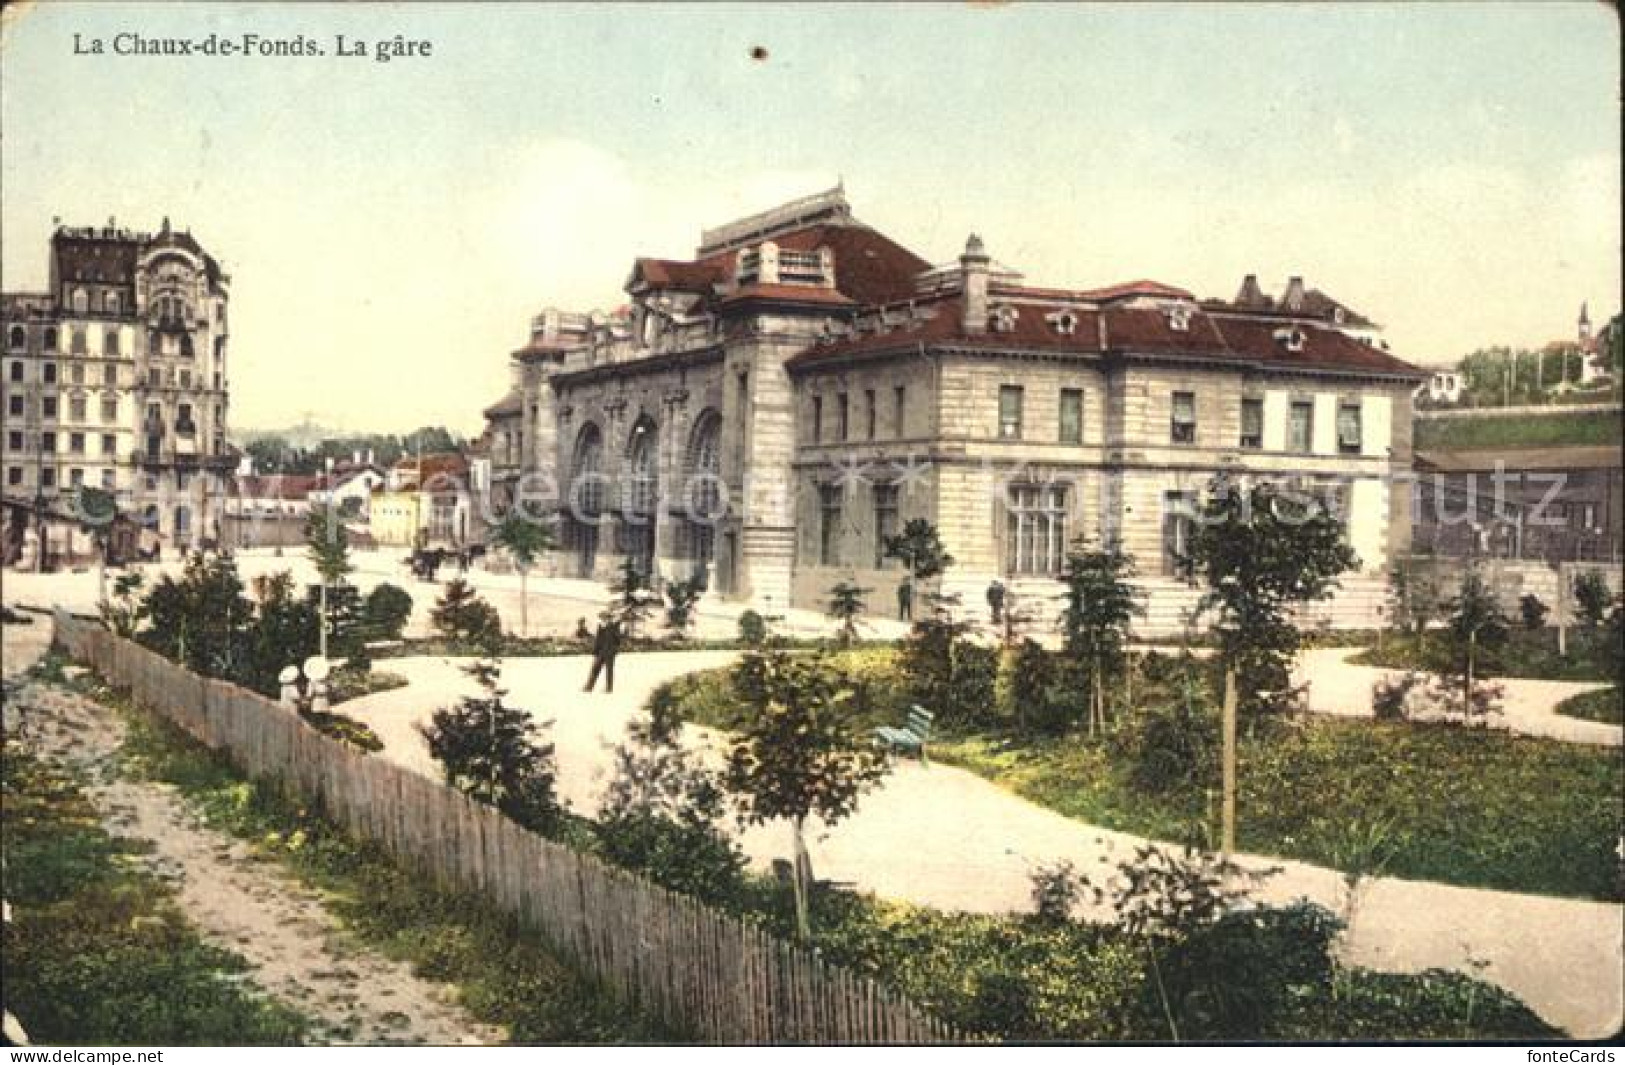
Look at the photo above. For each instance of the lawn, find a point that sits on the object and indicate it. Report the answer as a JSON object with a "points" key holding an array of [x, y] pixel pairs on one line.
{"points": [[1528, 653], [1606, 705], [98, 952], [1590, 428], [1470, 807]]}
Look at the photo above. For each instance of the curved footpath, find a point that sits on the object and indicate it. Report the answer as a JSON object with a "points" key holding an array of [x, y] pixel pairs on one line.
{"points": [[943, 837]]}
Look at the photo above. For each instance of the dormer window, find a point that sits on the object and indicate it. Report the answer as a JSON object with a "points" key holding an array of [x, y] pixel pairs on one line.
{"points": [[1291, 338], [1065, 322], [1179, 319], [1004, 318]]}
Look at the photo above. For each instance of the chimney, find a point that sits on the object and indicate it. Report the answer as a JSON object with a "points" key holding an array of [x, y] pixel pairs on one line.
{"points": [[767, 264], [1292, 298], [1250, 295], [973, 270]]}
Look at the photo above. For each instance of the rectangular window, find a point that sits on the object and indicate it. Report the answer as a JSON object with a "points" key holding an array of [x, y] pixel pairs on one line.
{"points": [[76, 477], [76, 408], [899, 399], [1035, 529], [14, 440], [818, 419], [1071, 429], [109, 444], [110, 342], [15, 406], [1182, 426], [109, 410], [869, 413], [14, 475], [829, 524], [183, 481], [154, 377], [47, 477], [1300, 435], [16, 371], [885, 496], [48, 406], [183, 420], [77, 373], [109, 375], [107, 480], [1010, 397], [76, 341], [47, 443], [1348, 428], [50, 373], [843, 416], [1178, 519], [1252, 423], [76, 443]]}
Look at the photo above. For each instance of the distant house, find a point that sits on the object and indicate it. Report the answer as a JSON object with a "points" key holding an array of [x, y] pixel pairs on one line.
{"points": [[349, 488], [1443, 387], [267, 510], [1555, 504], [427, 499]]}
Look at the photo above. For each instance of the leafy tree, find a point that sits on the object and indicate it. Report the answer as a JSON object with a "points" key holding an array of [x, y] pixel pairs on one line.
{"points": [[525, 541], [1592, 598], [1533, 611], [947, 672], [632, 601], [846, 605], [682, 599], [388, 608], [329, 544], [752, 629], [348, 631], [662, 810], [201, 619], [1262, 552], [1476, 625], [461, 616], [919, 548], [1025, 690], [284, 633], [98, 510], [494, 752], [1099, 605], [799, 753]]}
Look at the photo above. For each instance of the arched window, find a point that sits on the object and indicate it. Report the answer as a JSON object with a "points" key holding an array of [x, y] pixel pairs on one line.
{"points": [[586, 493], [110, 344], [642, 469], [80, 300], [702, 490], [49, 342], [18, 337]]}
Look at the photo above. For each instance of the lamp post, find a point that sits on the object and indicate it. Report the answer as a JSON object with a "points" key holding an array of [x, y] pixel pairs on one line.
{"points": [[327, 528]]}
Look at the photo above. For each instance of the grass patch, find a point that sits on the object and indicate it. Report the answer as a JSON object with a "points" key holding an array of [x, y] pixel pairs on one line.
{"points": [[1462, 806], [1527, 653], [506, 975], [1585, 428], [98, 952], [1606, 705]]}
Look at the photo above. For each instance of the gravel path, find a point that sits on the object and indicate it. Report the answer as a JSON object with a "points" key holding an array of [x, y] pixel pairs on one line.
{"points": [[1343, 689], [946, 838], [296, 948]]}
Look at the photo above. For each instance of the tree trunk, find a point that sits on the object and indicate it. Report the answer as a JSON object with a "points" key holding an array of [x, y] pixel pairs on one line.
{"points": [[524, 606], [1227, 830], [801, 881]]}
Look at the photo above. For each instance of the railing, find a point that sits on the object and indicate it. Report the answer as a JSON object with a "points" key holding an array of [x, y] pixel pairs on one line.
{"points": [[695, 969]]}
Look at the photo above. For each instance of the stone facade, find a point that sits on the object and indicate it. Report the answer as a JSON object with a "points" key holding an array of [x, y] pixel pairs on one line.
{"points": [[817, 386], [116, 378]]}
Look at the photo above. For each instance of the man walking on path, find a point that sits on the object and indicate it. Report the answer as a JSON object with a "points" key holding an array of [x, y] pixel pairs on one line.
{"points": [[905, 600], [605, 646], [995, 600]]}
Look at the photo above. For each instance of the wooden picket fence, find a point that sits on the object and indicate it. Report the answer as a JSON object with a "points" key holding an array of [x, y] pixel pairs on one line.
{"points": [[698, 971]]}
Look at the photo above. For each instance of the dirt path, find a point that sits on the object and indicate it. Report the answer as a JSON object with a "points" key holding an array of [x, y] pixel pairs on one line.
{"points": [[297, 949]]}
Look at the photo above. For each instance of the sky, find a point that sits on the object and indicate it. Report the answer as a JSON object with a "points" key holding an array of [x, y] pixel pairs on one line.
{"points": [[1451, 170]]}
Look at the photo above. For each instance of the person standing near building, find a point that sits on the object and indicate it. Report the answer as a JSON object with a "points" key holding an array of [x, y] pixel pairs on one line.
{"points": [[605, 646], [995, 600], [905, 600]]}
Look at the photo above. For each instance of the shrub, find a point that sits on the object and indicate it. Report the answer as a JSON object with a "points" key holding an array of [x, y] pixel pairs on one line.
{"points": [[1533, 611], [1173, 746], [1591, 598], [462, 616], [752, 629], [1389, 696], [682, 598], [388, 608], [947, 672], [1026, 690], [1057, 889]]}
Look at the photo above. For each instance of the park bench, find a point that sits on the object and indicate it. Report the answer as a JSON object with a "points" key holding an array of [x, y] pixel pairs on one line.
{"points": [[912, 736]]}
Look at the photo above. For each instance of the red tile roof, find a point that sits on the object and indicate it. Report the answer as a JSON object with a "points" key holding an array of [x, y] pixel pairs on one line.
{"points": [[276, 486], [796, 293], [679, 275], [1142, 287], [1128, 331]]}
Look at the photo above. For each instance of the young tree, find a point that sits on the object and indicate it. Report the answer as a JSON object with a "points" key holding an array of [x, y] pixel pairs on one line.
{"points": [[461, 616], [329, 545], [662, 810], [1533, 611], [525, 541], [388, 608], [1099, 605], [633, 601], [124, 612], [919, 548], [799, 752], [1261, 552], [201, 619], [846, 605], [1476, 625], [283, 633], [494, 752], [681, 600]]}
